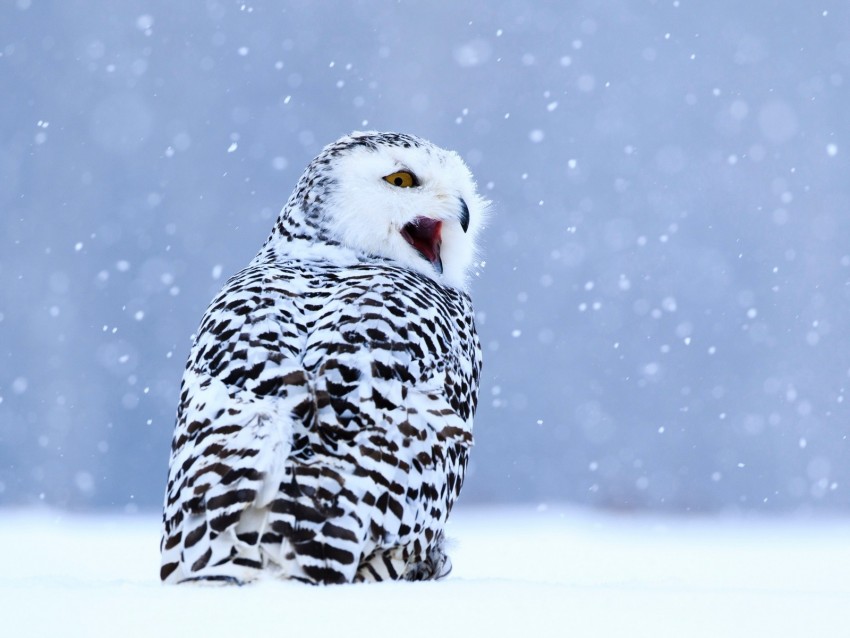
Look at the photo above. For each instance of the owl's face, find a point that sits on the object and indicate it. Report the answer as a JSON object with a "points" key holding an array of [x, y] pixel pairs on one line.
{"points": [[402, 198]]}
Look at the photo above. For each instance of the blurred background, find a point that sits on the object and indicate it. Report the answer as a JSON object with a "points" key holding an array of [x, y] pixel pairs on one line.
{"points": [[664, 297]]}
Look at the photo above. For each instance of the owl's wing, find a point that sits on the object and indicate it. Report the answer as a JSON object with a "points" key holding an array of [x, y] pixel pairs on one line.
{"points": [[424, 475], [234, 432], [396, 380]]}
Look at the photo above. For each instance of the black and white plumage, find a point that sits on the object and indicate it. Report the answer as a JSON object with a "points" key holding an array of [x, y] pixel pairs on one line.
{"points": [[325, 415]]}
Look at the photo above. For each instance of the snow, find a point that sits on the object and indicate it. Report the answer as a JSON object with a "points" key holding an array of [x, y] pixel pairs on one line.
{"points": [[517, 572]]}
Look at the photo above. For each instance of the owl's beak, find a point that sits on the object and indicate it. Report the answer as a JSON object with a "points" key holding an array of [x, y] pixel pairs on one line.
{"points": [[423, 233], [464, 215]]}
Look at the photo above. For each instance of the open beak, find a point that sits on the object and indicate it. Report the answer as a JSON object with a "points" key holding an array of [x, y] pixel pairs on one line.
{"points": [[423, 233]]}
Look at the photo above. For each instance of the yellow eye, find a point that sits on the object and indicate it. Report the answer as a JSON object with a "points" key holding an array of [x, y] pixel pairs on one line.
{"points": [[402, 179]]}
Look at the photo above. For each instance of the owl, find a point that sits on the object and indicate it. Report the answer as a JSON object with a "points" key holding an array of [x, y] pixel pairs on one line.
{"points": [[325, 414]]}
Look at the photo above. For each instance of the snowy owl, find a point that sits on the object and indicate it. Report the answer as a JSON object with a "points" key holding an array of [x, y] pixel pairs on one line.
{"points": [[325, 414]]}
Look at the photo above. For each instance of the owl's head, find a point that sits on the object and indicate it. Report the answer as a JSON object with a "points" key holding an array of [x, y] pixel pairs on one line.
{"points": [[394, 196]]}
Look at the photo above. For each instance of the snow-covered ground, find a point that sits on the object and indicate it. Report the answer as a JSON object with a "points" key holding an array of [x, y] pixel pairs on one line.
{"points": [[517, 572]]}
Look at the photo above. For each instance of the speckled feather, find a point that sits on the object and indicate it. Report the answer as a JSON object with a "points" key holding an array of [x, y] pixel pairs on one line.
{"points": [[325, 415]]}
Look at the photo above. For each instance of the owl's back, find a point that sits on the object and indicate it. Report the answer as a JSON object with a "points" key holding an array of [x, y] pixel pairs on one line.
{"points": [[323, 426]]}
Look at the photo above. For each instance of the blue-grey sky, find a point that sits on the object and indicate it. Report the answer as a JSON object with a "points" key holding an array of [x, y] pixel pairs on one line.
{"points": [[665, 296]]}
